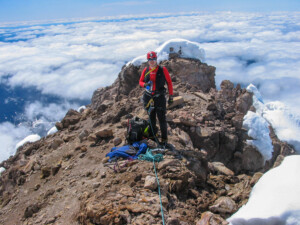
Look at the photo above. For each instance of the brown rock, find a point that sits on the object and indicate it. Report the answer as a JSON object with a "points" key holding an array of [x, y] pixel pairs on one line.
{"points": [[176, 101], [30, 165], [278, 161], [224, 205], [193, 72], [208, 218], [72, 117], [59, 125], [56, 143], [55, 169], [137, 208], [237, 120], [150, 183], [255, 178], [46, 172], [92, 137], [104, 133], [117, 141], [203, 96], [168, 162], [252, 160], [226, 84], [105, 160], [244, 102], [31, 209], [83, 134], [211, 107], [188, 122], [173, 221], [220, 168], [127, 191]]}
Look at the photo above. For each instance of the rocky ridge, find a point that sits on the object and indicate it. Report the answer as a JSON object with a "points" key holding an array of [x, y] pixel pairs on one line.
{"points": [[64, 178]]}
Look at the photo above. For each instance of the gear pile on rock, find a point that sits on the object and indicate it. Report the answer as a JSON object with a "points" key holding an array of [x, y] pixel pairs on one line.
{"points": [[64, 178]]}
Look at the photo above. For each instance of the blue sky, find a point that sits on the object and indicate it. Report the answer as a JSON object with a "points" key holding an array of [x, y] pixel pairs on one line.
{"points": [[27, 10]]}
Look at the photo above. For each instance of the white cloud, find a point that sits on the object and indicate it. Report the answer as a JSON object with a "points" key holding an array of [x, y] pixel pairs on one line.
{"points": [[38, 118], [71, 60], [65, 51], [10, 135]]}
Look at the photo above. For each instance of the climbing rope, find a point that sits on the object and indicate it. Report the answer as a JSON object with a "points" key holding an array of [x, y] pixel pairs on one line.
{"points": [[150, 157], [155, 158]]}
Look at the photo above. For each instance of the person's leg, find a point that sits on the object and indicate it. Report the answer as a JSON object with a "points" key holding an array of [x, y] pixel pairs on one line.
{"points": [[152, 118], [152, 115], [161, 114]]}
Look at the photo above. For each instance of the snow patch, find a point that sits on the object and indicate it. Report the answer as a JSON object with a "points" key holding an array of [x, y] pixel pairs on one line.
{"points": [[275, 197], [285, 122], [52, 130], [30, 138], [81, 108], [187, 49], [258, 129]]}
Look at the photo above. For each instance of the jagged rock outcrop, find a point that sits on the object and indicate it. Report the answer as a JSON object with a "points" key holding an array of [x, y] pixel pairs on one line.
{"points": [[197, 76], [65, 178]]}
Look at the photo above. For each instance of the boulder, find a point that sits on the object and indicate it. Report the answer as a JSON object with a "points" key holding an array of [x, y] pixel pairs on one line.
{"points": [[223, 205], [83, 134], [252, 160], [150, 183], [193, 72], [56, 143], [219, 167], [244, 102], [209, 218], [72, 117], [117, 141], [168, 162], [176, 101], [46, 172], [31, 209], [104, 133]]}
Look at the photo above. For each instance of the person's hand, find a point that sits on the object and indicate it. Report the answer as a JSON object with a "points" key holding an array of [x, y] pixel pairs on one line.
{"points": [[170, 101], [147, 84]]}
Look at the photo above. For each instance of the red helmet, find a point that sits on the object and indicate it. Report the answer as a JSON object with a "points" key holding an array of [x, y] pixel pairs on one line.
{"points": [[151, 55]]}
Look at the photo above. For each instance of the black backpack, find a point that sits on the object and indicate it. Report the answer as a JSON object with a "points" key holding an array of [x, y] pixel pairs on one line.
{"points": [[137, 129]]}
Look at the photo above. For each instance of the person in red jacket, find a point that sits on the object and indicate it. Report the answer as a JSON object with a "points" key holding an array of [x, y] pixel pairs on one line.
{"points": [[153, 78]]}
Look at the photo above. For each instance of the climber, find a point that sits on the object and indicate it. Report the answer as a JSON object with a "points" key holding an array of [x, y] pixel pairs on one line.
{"points": [[153, 78]]}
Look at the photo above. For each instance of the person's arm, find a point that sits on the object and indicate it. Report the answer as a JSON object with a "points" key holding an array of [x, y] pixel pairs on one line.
{"points": [[142, 78], [169, 81]]}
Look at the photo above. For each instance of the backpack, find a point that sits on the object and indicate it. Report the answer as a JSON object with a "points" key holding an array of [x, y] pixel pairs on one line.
{"points": [[137, 129]]}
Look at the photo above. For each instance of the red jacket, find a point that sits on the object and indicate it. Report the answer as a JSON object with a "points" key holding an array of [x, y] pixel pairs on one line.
{"points": [[153, 76]]}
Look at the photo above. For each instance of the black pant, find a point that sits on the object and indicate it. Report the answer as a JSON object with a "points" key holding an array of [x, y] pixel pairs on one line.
{"points": [[159, 110]]}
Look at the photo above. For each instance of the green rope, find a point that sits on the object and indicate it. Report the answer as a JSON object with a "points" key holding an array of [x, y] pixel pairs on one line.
{"points": [[154, 158], [150, 157]]}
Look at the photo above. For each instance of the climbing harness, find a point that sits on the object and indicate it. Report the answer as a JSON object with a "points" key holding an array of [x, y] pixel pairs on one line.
{"points": [[150, 103], [155, 158]]}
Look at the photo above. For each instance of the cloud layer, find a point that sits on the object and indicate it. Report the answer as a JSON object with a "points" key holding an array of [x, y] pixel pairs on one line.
{"points": [[72, 59]]}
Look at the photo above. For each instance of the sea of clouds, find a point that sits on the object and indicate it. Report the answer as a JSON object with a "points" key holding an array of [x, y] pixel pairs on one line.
{"points": [[71, 60]]}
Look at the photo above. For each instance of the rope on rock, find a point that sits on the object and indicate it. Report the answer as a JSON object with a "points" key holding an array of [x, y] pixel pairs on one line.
{"points": [[150, 157], [154, 158]]}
